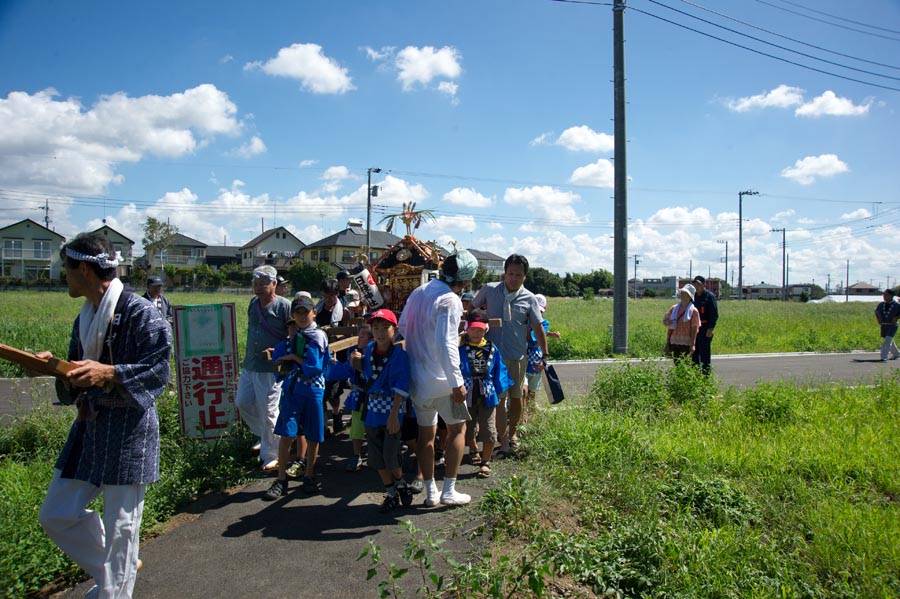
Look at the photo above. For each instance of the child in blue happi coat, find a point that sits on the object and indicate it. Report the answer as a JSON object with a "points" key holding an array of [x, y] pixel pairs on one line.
{"points": [[534, 378], [341, 371], [485, 376], [302, 373], [385, 368]]}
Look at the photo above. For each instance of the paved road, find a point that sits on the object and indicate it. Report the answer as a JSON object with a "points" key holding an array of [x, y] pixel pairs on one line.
{"points": [[236, 545]]}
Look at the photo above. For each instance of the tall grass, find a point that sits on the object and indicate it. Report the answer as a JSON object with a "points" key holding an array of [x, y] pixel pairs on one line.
{"points": [[773, 491], [38, 320]]}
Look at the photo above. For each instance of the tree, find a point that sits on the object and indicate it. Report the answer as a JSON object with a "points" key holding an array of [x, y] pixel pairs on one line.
{"points": [[410, 217], [541, 280], [308, 277], [481, 277], [158, 237]]}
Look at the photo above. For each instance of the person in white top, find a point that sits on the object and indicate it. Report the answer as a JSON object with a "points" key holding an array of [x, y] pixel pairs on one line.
{"points": [[429, 324]]}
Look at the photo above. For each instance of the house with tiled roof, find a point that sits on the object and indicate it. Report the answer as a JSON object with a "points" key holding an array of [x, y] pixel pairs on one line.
{"points": [[29, 250], [276, 247], [183, 251], [218, 256], [341, 249]]}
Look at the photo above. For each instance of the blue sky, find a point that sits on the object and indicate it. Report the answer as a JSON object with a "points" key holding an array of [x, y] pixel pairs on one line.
{"points": [[224, 117]]}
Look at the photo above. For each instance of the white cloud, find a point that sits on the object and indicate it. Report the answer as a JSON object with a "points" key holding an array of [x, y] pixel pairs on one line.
{"points": [[379, 55], [449, 88], [546, 203], [542, 139], [251, 148], [829, 104], [226, 59], [334, 177], [784, 214], [462, 223], [59, 146], [783, 96], [424, 65], [494, 227], [307, 163], [598, 174], [307, 64], [585, 139], [806, 170], [856, 214], [466, 196]]}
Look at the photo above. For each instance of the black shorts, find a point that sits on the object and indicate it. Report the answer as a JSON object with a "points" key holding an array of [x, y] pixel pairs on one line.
{"points": [[409, 429]]}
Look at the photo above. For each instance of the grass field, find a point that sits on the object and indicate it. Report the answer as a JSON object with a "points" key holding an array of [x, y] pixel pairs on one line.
{"points": [[36, 320]]}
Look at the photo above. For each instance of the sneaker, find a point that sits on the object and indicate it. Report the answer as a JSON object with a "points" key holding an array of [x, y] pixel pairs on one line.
{"points": [[416, 486], [269, 465], [390, 502], [433, 501], [297, 468], [337, 423], [438, 458], [277, 490], [310, 486], [406, 495], [455, 498], [355, 464]]}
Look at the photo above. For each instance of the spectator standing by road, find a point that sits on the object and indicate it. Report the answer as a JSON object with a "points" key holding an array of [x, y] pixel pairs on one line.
{"points": [[510, 301], [121, 347], [155, 296], [706, 303], [886, 314], [682, 324], [258, 390], [430, 324]]}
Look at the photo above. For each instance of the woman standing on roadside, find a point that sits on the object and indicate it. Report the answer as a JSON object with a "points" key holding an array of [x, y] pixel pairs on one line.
{"points": [[682, 322]]}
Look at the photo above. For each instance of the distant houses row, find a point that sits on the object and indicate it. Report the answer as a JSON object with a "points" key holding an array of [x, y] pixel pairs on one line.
{"points": [[30, 251]]}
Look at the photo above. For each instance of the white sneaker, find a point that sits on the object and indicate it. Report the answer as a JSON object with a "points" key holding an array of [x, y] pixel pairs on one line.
{"points": [[432, 501], [455, 498]]}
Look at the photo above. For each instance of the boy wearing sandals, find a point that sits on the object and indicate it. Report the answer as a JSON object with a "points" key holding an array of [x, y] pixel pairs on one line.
{"points": [[385, 368], [303, 388], [485, 377], [341, 371]]}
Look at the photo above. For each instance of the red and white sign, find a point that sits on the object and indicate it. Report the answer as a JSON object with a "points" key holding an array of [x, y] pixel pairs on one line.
{"points": [[206, 358]]}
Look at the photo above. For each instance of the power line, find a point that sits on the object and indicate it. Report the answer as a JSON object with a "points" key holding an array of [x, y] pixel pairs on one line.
{"points": [[841, 18], [762, 41], [796, 41], [893, 39], [779, 58]]}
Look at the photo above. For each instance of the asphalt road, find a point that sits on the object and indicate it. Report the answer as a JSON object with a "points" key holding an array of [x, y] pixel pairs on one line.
{"points": [[234, 545]]}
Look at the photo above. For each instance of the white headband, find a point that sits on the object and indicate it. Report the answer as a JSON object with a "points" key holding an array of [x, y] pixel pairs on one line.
{"points": [[100, 259]]}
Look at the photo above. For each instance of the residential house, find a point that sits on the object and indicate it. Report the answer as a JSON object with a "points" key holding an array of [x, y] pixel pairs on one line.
{"points": [[796, 290], [491, 262], [123, 246], [662, 287], [276, 247], [30, 251], [863, 289], [218, 256], [183, 252], [341, 249], [765, 291]]}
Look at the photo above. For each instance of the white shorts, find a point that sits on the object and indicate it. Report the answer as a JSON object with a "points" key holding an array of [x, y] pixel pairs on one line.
{"points": [[427, 410]]}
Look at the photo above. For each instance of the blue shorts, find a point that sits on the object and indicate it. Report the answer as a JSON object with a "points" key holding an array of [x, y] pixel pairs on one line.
{"points": [[301, 414]]}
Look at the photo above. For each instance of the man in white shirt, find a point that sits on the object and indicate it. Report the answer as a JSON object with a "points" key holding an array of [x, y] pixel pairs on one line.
{"points": [[429, 324]]}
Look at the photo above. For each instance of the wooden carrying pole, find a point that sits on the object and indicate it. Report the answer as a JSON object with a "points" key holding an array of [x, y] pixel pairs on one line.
{"points": [[34, 365]]}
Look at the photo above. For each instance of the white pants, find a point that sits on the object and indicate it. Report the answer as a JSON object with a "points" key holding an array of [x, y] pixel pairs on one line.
{"points": [[889, 347], [258, 394], [106, 548]]}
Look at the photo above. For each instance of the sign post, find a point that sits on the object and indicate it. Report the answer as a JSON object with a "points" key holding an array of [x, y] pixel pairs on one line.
{"points": [[206, 359]]}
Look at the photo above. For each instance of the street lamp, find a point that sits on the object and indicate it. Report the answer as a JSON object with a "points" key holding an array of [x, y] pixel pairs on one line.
{"points": [[369, 211], [741, 195]]}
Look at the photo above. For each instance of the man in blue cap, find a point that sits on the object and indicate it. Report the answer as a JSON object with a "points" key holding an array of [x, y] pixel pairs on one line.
{"points": [[155, 296], [430, 325]]}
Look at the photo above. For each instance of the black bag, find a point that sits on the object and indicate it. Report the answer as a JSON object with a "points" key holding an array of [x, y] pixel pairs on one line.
{"points": [[553, 384]]}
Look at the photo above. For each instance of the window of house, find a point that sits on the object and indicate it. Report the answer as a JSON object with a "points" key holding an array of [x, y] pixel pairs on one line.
{"points": [[12, 248], [314, 255], [323, 256], [347, 256], [6, 270], [42, 250], [34, 273]]}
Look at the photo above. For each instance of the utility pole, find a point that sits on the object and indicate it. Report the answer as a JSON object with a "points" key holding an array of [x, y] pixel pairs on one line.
{"points": [[787, 277], [847, 286], [636, 262], [620, 222], [46, 210], [369, 211], [725, 279], [783, 261], [828, 285], [741, 195]]}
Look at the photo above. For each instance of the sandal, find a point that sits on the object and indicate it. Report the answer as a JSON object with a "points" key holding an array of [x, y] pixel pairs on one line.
{"points": [[485, 470], [475, 458]]}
